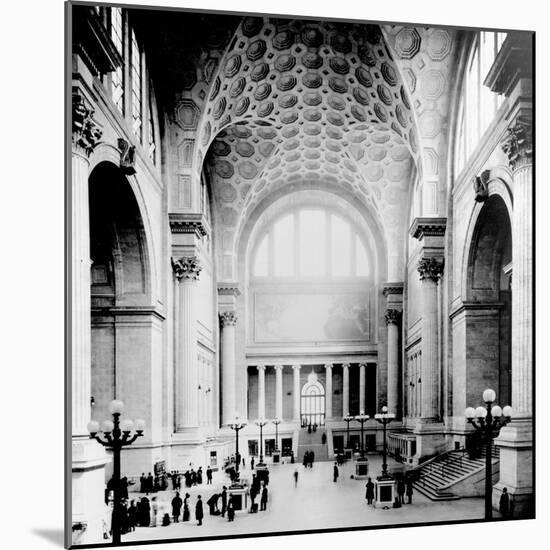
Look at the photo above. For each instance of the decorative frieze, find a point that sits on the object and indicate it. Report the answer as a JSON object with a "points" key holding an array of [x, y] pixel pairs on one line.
{"points": [[127, 157], [518, 142], [187, 268], [392, 288], [85, 131], [430, 268], [392, 316], [228, 318], [229, 289]]}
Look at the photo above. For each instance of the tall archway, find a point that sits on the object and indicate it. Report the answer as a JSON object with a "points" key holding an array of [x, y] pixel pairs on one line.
{"points": [[312, 402]]}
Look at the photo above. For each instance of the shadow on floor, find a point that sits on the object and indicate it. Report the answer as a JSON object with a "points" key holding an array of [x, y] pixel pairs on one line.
{"points": [[53, 535]]}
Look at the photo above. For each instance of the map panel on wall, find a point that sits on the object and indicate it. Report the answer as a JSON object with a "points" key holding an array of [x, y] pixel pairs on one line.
{"points": [[289, 317]]}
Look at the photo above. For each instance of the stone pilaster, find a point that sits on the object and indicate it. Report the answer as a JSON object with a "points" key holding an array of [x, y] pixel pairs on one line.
{"points": [[328, 409], [279, 391], [362, 385], [261, 391], [393, 317], [345, 389], [186, 271], [228, 320], [296, 373]]}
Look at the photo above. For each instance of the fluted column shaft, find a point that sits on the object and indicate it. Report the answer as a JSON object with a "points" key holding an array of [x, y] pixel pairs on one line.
{"points": [[362, 388], [345, 390], [430, 270], [328, 408], [261, 391], [228, 320], [187, 271], [392, 321], [279, 391], [296, 369]]}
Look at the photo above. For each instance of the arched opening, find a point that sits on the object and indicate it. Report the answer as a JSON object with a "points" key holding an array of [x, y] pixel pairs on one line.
{"points": [[312, 402], [489, 289]]}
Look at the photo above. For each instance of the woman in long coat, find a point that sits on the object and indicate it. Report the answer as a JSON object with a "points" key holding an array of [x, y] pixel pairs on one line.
{"points": [[199, 514], [370, 491], [186, 512]]}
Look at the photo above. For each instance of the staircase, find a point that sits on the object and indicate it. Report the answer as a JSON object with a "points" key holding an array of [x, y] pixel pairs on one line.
{"points": [[439, 478], [312, 442]]}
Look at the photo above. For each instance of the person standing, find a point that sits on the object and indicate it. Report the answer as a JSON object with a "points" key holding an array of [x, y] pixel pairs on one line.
{"points": [[409, 490], [199, 514], [335, 473], [296, 477], [311, 459], [176, 507], [224, 500], [252, 463], [370, 491], [186, 511], [154, 512], [306, 459], [142, 483], [149, 486], [504, 504], [263, 499], [132, 516], [401, 491], [230, 510], [208, 476], [243, 462]]}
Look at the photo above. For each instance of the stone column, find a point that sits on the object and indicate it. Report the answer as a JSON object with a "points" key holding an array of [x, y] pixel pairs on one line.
{"points": [[430, 270], [392, 317], [345, 390], [362, 388], [228, 320], [328, 409], [87, 457], [186, 270], [261, 391], [279, 391], [516, 439], [296, 369]]}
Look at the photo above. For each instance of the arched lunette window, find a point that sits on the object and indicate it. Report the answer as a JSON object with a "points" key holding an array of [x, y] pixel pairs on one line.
{"points": [[310, 242]]}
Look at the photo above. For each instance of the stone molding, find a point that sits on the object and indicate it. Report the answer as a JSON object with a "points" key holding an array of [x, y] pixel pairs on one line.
{"points": [[392, 288], [392, 316], [187, 267], [228, 318], [229, 289], [86, 133], [189, 223], [430, 268], [518, 142], [127, 157], [428, 227]]}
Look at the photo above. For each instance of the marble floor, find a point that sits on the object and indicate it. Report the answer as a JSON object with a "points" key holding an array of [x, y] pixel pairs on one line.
{"points": [[316, 503]]}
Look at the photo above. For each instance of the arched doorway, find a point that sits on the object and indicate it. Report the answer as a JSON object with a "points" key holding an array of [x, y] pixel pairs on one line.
{"points": [[312, 402]]}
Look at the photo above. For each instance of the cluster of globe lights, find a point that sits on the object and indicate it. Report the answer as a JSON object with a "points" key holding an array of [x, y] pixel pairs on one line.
{"points": [[384, 415], [480, 413], [107, 426]]}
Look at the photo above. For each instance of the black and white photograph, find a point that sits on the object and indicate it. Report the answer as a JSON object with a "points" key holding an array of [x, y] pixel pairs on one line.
{"points": [[299, 274]]}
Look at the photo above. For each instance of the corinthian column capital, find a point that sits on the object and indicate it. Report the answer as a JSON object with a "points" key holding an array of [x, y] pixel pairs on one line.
{"points": [[186, 268], [228, 318], [518, 142], [85, 131], [392, 316], [430, 268]]}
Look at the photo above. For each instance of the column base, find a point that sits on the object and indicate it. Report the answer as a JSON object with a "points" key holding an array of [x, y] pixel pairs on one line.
{"points": [[430, 438], [516, 468], [88, 509]]}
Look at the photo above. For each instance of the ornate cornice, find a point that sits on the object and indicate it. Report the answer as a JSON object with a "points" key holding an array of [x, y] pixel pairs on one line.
{"points": [[392, 316], [518, 142], [188, 223], [127, 157], [229, 289], [428, 227], [187, 267], [392, 288], [228, 318], [430, 268], [86, 132]]}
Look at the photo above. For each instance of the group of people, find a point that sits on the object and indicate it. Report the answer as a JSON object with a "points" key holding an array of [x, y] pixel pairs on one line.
{"points": [[192, 478], [309, 457], [404, 488], [149, 484]]}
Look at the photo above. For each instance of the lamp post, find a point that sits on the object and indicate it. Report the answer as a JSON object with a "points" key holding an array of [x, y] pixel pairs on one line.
{"points": [[384, 418], [237, 425], [362, 418], [261, 422], [117, 435], [276, 421], [347, 419], [487, 421]]}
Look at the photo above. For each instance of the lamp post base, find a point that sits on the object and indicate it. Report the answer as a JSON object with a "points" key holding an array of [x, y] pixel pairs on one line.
{"points": [[361, 468]]}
